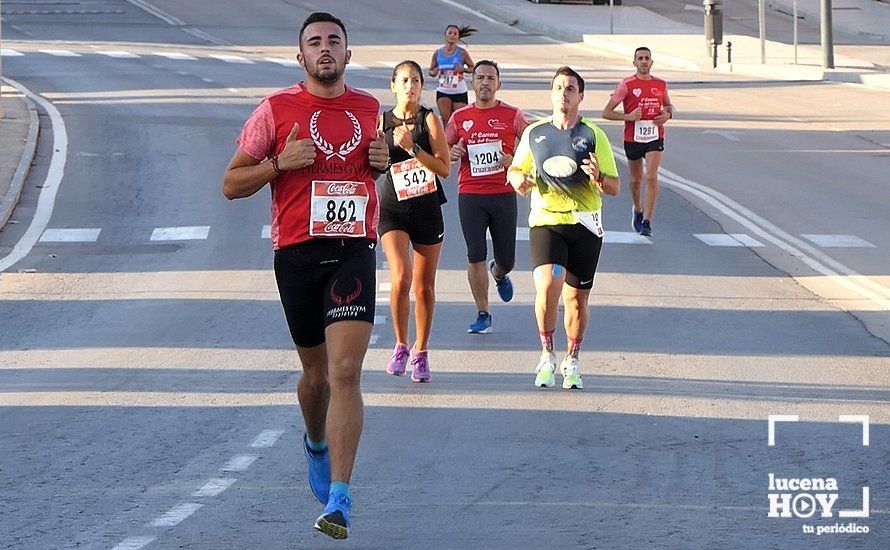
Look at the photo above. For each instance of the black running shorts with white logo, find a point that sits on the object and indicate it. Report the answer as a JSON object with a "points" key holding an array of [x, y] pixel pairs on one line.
{"points": [[323, 281], [572, 246]]}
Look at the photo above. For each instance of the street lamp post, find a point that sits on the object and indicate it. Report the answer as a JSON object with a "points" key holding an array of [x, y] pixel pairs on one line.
{"points": [[761, 19], [827, 38]]}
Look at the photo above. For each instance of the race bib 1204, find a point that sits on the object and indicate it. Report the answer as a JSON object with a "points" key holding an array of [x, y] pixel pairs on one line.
{"points": [[484, 158]]}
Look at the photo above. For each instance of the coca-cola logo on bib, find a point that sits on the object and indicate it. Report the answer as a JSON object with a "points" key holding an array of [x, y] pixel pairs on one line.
{"points": [[326, 147], [336, 227], [342, 188]]}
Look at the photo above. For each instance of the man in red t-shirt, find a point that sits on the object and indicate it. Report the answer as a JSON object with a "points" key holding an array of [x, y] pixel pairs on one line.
{"points": [[483, 137], [647, 108], [317, 145]]}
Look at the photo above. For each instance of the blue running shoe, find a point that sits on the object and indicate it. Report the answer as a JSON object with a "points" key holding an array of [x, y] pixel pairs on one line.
{"points": [[334, 521], [637, 222], [504, 284], [482, 324], [318, 466], [646, 229]]}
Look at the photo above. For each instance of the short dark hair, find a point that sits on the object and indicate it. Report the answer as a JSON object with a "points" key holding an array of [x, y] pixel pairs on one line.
{"points": [[642, 48], [322, 17], [408, 63], [487, 63], [565, 70]]}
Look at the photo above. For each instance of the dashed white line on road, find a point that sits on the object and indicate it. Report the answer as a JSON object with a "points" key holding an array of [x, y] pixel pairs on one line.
{"points": [[467, 9], [267, 438], [384, 287], [282, 61], [374, 338], [207, 80], [233, 59], [10, 53], [134, 543], [838, 241], [214, 487], [61, 53], [267, 232], [356, 66], [390, 64], [175, 515], [379, 319], [176, 55], [724, 239], [70, 236], [239, 463], [199, 232], [118, 54], [625, 237]]}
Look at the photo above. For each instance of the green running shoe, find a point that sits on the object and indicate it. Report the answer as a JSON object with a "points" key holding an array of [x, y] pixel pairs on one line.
{"points": [[545, 368], [571, 373]]}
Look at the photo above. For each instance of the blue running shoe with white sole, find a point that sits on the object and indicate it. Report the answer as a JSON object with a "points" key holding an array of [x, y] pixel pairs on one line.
{"points": [[482, 324], [318, 467], [504, 284], [637, 222], [646, 230], [334, 521]]}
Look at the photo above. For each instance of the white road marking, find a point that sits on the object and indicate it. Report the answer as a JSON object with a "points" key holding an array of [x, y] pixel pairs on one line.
{"points": [[472, 11], [810, 256], [134, 543], [55, 173], [61, 53], [838, 241], [374, 338], [267, 438], [208, 80], [724, 239], [199, 232], [166, 18], [214, 487], [390, 64], [356, 66], [233, 59], [176, 55], [10, 53], [379, 319], [267, 232], [384, 287], [175, 515], [70, 236], [625, 237], [522, 233], [239, 463], [118, 54], [282, 61], [233, 90]]}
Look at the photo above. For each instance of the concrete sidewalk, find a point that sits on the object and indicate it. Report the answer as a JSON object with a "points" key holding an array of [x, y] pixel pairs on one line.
{"points": [[681, 45], [18, 142]]}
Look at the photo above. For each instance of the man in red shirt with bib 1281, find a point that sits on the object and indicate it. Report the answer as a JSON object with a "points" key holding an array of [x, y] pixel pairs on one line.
{"points": [[647, 108]]}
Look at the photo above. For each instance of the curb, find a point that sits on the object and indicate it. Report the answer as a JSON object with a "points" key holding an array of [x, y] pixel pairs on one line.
{"points": [[9, 202]]}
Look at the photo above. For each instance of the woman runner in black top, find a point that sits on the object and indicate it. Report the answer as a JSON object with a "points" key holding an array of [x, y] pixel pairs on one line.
{"points": [[411, 214]]}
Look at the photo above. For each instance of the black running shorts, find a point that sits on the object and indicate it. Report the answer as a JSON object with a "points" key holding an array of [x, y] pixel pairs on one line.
{"points": [[572, 246], [425, 227], [495, 213], [636, 151], [455, 98], [323, 281]]}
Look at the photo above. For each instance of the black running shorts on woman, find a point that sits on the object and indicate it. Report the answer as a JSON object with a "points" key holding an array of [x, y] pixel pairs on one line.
{"points": [[323, 281], [572, 246]]}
